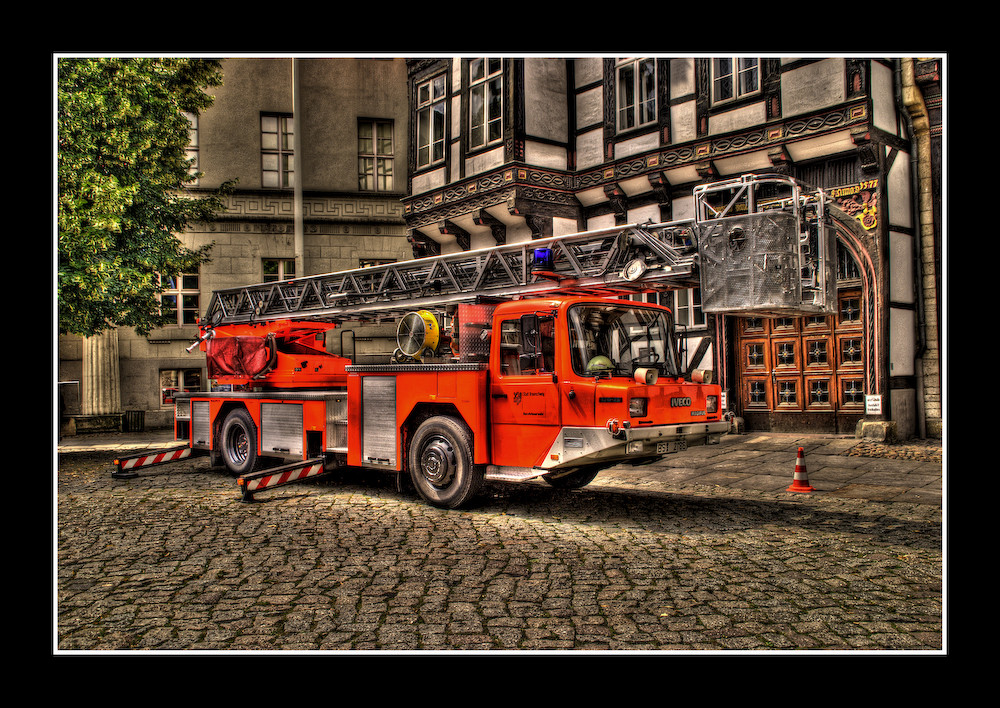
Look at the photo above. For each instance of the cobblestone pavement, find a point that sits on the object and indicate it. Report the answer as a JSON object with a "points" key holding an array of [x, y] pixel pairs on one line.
{"points": [[174, 561]]}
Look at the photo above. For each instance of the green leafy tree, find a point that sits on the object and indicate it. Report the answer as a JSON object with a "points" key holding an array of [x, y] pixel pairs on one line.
{"points": [[123, 174]]}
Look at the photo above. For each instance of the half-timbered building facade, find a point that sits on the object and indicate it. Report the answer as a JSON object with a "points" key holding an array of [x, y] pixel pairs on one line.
{"points": [[519, 148]]}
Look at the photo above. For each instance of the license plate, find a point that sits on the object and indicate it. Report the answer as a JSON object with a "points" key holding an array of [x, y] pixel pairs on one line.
{"points": [[663, 448]]}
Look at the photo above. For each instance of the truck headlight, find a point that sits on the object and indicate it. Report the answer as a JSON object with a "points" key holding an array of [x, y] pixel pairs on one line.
{"points": [[711, 404], [637, 407]]}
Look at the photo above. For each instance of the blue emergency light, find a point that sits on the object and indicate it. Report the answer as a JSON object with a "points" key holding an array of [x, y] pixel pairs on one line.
{"points": [[542, 259]]}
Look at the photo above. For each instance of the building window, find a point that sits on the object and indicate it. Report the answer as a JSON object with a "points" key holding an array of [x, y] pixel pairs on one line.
{"points": [[174, 381], [852, 393], [375, 155], [819, 392], [277, 156], [788, 394], [278, 269], [687, 308], [755, 355], [485, 102], [785, 353], [850, 310], [847, 267], [431, 104], [818, 355], [734, 78], [193, 147], [635, 81], [756, 393], [180, 299], [851, 353]]}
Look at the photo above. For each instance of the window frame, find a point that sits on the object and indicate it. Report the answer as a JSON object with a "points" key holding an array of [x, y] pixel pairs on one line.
{"points": [[193, 149], [283, 151], [179, 376], [490, 84], [433, 112], [733, 75], [688, 313], [281, 265], [376, 179], [180, 294], [639, 103]]}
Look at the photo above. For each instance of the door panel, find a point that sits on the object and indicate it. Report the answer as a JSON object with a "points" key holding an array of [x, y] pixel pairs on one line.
{"points": [[524, 397], [802, 365]]}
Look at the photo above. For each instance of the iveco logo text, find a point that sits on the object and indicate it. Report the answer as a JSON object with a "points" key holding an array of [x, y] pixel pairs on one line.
{"points": [[680, 402]]}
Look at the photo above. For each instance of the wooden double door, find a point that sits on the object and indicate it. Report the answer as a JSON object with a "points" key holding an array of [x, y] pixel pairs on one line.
{"points": [[798, 373]]}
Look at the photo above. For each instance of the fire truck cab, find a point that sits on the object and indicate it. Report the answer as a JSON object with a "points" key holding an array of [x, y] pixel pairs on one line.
{"points": [[578, 384]]}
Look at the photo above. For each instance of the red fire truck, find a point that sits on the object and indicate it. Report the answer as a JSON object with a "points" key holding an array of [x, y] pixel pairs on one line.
{"points": [[512, 363]]}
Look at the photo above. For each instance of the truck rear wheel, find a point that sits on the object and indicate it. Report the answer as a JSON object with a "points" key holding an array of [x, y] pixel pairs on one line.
{"points": [[575, 479], [239, 442], [440, 462]]}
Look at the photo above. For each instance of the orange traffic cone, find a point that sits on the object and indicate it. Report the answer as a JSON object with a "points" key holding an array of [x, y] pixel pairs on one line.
{"points": [[801, 481]]}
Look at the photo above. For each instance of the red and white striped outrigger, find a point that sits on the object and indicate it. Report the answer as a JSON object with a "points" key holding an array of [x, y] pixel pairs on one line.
{"points": [[251, 483], [277, 476], [128, 465]]}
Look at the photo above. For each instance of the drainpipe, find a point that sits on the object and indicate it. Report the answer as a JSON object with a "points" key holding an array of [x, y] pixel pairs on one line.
{"points": [[918, 126], [297, 208]]}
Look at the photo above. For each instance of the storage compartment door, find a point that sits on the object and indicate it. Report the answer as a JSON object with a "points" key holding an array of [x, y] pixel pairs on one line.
{"points": [[281, 429], [378, 421]]}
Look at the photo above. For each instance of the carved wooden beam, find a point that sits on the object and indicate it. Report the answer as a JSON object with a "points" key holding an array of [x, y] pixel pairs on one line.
{"points": [[497, 227], [619, 201], [781, 160], [460, 234], [423, 246], [867, 150], [661, 188]]}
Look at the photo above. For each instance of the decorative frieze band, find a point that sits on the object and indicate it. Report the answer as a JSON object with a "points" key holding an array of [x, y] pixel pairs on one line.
{"points": [[260, 213], [341, 208], [309, 229]]}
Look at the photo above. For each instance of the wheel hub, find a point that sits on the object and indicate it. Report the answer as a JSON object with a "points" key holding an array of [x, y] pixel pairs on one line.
{"points": [[239, 445], [437, 462]]}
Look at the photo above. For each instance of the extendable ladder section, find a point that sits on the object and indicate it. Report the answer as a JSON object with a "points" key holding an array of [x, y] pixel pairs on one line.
{"points": [[616, 260]]}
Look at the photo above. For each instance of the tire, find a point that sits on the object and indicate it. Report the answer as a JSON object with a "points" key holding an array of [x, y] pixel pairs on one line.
{"points": [[238, 442], [440, 463], [575, 479]]}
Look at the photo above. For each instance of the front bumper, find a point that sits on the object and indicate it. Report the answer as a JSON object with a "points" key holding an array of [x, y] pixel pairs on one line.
{"points": [[583, 447], [578, 447]]}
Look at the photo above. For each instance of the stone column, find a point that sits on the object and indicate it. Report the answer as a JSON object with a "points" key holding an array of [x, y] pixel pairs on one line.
{"points": [[101, 394]]}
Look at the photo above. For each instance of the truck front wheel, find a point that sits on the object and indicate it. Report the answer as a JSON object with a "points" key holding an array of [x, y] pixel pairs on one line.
{"points": [[440, 462], [239, 442], [573, 480]]}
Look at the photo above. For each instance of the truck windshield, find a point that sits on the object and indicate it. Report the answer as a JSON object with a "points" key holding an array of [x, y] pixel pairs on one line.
{"points": [[616, 339]]}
